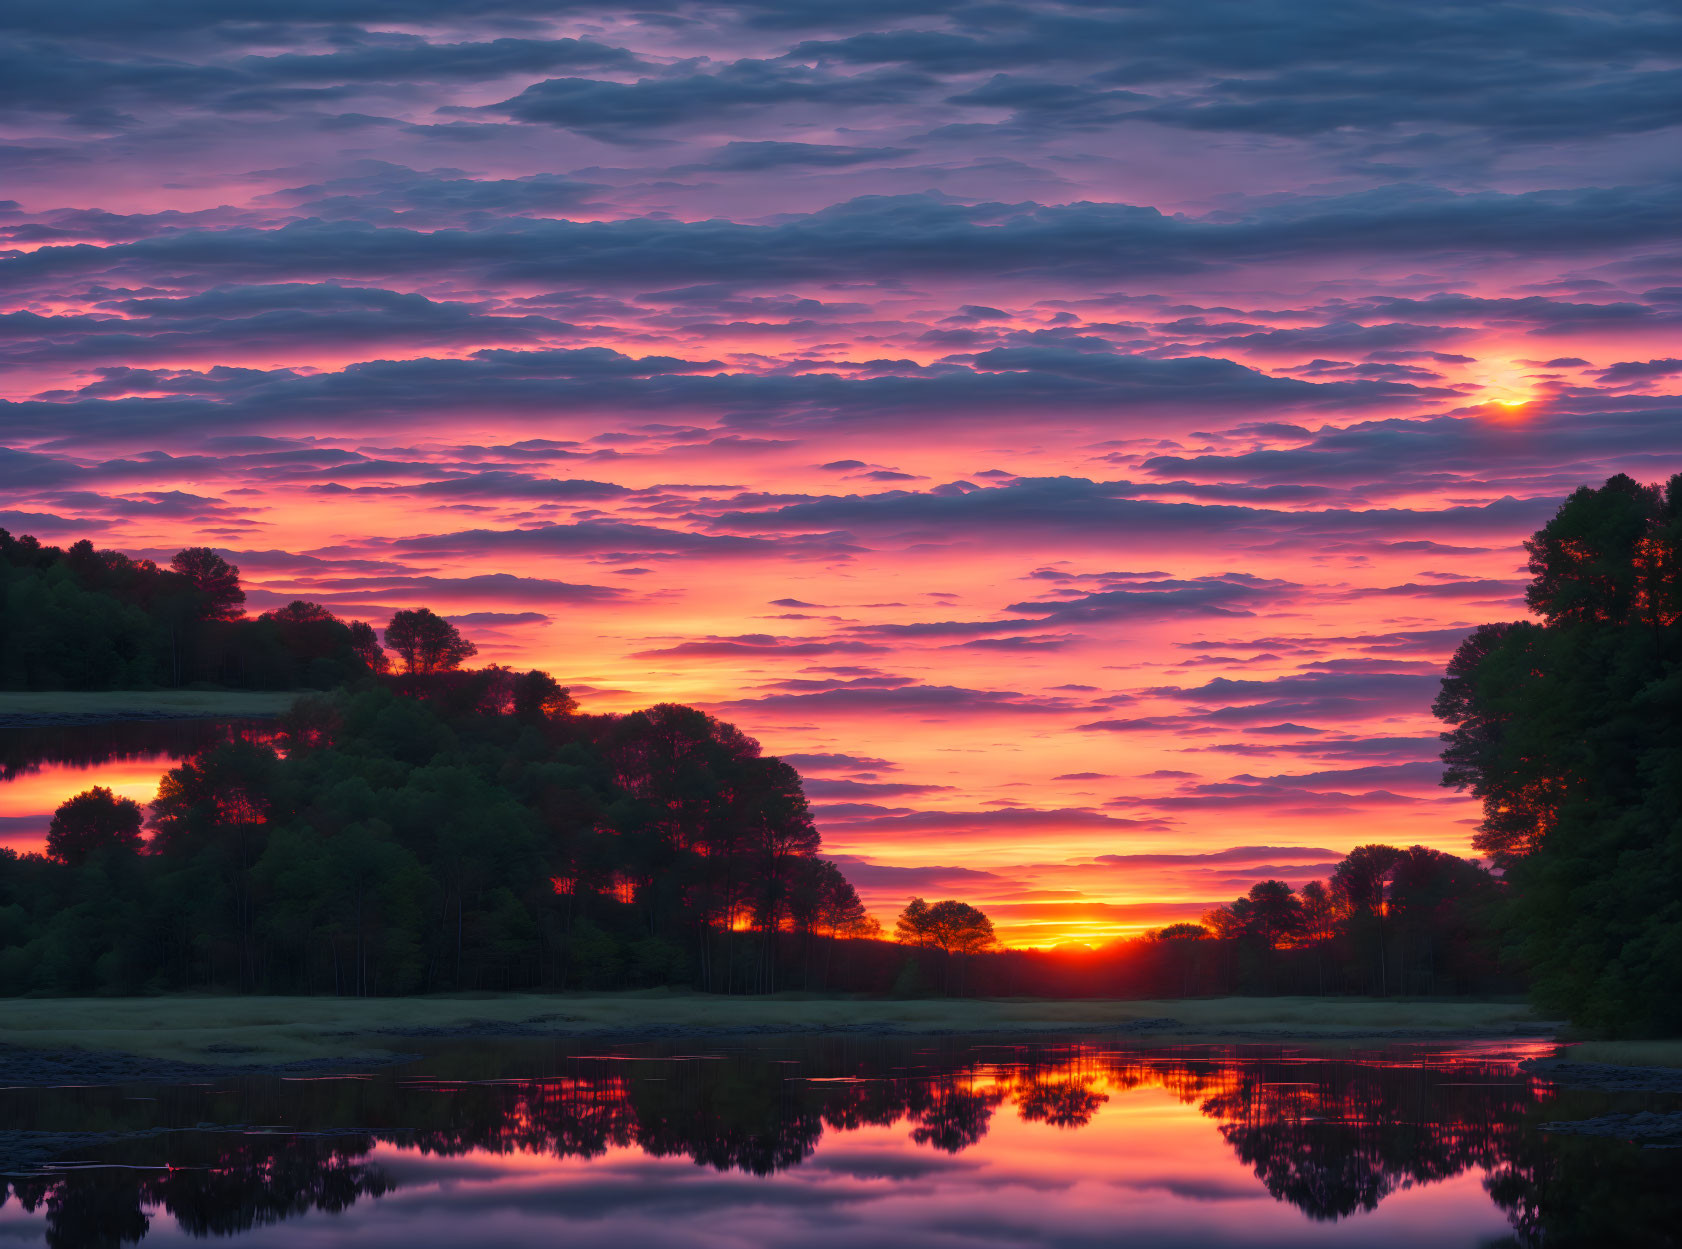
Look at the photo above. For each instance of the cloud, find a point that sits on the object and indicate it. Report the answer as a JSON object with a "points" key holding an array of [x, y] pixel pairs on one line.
{"points": [[809, 762], [937, 700], [618, 540], [533, 384], [499, 586], [297, 318], [848, 789], [1341, 697], [903, 236], [1230, 594], [1629, 371], [1339, 338], [744, 156], [1034, 509], [1066, 819], [1413, 452], [497, 618], [1045, 642], [488, 484], [883, 877], [619, 112], [756, 646], [379, 191]]}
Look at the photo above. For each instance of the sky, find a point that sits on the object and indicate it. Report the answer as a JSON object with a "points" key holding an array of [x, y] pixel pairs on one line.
{"points": [[1074, 434]]}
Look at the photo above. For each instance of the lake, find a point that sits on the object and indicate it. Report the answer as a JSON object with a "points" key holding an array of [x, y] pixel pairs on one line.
{"points": [[845, 1141]]}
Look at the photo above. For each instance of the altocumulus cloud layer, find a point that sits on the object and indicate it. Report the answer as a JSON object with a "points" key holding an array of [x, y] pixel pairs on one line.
{"points": [[1078, 433]]}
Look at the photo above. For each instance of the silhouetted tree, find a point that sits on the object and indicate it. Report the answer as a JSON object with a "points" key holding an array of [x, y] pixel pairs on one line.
{"points": [[956, 929], [1181, 932], [93, 820], [537, 696], [950, 926], [365, 644], [215, 581], [1268, 916], [1567, 730], [427, 642]]}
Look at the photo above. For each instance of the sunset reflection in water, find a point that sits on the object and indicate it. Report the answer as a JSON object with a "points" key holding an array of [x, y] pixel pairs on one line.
{"points": [[845, 1143], [41, 766]]}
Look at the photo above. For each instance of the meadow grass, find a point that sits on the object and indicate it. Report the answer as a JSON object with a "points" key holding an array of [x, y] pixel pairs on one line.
{"points": [[268, 1030], [1626, 1053], [116, 704]]}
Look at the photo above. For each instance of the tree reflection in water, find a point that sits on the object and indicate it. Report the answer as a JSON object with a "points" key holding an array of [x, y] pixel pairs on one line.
{"points": [[1332, 1137], [25, 749]]}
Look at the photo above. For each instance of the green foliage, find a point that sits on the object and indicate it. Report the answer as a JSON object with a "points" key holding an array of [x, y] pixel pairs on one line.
{"points": [[1570, 732], [381, 843], [89, 619], [1387, 921], [909, 982], [950, 926], [91, 822]]}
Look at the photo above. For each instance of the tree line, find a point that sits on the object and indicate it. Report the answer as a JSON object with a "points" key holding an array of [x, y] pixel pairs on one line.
{"points": [[440, 830], [90, 619], [1386, 921]]}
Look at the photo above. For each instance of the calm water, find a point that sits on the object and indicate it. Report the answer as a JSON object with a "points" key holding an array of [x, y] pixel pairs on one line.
{"points": [[849, 1142], [41, 766]]}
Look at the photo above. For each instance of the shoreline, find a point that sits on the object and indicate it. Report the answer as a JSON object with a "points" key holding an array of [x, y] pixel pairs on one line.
{"points": [[181, 1039], [106, 1040]]}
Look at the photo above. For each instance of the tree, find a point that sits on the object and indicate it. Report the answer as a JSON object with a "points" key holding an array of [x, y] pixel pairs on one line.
{"points": [[427, 643], [949, 926], [307, 629], [365, 643], [538, 697], [1181, 932], [214, 579], [1586, 564], [1275, 915], [1567, 730], [955, 928], [912, 926], [1318, 913], [1360, 884], [1268, 916], [93, 820]]}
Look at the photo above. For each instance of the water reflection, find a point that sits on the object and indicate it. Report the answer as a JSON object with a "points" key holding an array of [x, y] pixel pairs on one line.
{"points": [[43, 764], [29, 748], [1331, 1137]]}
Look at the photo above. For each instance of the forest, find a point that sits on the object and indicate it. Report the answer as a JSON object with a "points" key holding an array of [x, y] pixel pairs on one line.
{"points": [[90, 619], [461, 830]]}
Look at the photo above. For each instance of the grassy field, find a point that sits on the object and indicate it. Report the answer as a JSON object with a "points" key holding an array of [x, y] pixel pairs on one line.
{"points": [[275, 1030], [118, 703], [1627, 1053]]}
